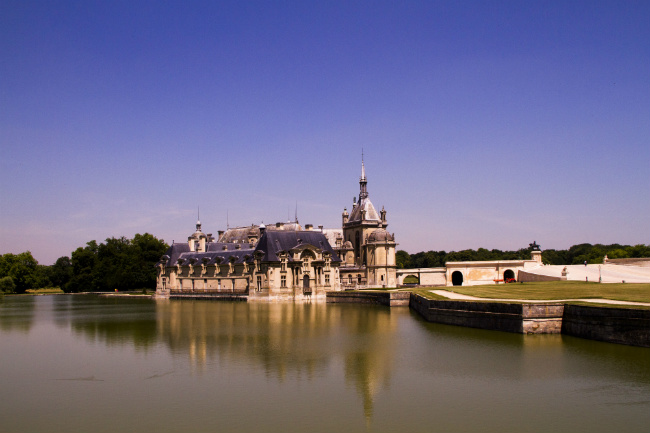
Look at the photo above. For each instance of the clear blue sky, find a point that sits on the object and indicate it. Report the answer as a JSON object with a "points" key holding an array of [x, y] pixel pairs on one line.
{"points": [[484, 124]]}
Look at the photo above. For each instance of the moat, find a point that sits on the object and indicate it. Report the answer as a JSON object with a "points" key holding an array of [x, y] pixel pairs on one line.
{"points": [[85, 363]]}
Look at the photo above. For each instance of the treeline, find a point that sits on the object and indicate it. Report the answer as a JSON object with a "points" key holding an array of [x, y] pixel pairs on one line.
{"points": [[118, 263], [575, 255], [594, 253]]}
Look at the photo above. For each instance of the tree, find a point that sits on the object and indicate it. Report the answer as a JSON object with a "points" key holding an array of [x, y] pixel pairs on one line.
{"points": [[402, 259], [148, 250], [61, 271], [22, 268], [83, 263], [7, 285], [118, 263], [577, 254]]}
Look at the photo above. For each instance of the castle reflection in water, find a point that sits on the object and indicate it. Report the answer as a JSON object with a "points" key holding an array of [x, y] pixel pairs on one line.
{"points": [[279, 339]]}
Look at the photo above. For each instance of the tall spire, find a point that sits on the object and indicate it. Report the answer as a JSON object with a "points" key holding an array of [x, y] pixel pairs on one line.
{"points": [[362, 180]]}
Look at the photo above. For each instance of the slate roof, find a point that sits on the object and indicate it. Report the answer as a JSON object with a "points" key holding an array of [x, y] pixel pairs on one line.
{"points": [[215, 251], [332, 235], [371, 212], [175, 250], [228, 246], [272, 242], [238, 234], [381, 235]]}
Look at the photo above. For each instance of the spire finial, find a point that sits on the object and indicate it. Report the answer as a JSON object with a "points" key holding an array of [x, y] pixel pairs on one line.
{"points": [[296, 212], [363, 181]]}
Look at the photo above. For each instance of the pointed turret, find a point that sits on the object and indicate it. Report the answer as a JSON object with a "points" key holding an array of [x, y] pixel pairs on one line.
{"points": [[363, 182]]}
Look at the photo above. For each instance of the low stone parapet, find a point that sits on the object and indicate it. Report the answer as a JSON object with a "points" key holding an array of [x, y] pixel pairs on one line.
{"points": [[208, 295], [641, 262], [391, 299], [529, 277], [508, 317]]}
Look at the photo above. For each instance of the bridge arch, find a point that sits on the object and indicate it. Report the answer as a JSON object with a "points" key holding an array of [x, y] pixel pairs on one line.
{"points": [[411, 279], [457, 278]]}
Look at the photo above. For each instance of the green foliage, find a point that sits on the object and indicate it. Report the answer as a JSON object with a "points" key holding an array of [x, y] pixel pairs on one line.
{"points": [[23, 270], [119, 263], [411, 279], [7, 285], [594, 254], [575, 255], [61, 271], [83, 264], [403, 259]]}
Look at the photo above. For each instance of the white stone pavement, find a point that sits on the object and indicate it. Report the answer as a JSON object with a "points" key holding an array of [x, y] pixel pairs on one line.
{"points": [[460, 297]]}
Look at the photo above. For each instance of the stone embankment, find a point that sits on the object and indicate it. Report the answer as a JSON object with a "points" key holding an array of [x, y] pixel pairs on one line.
{"points": [[508, 317], [614, 325], [213, 296], [390, 299]]}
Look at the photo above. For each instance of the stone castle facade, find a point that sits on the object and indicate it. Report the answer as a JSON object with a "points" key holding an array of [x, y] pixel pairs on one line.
{"points": [[284, 260]]}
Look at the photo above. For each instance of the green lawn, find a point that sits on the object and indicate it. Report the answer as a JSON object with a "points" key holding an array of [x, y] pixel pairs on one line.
{"points": [[552, 290], [426, 293]]}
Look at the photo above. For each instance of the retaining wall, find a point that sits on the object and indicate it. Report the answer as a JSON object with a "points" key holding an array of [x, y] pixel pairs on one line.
{"points": [[613, 325], [642, 262], [518, 318], [527, 277], [242, 296], [391, 299]]}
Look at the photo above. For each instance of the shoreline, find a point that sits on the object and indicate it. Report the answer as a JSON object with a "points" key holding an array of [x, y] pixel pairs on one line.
{"points": [[610, 321]]}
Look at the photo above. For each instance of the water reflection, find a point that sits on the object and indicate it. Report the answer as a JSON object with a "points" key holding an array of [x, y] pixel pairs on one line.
{"points": [[480, 353], [301, 340], [17, 313], [205, 366], [112, 321]]}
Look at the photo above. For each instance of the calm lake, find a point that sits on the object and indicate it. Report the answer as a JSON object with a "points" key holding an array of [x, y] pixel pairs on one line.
{"points": [[88, 364]]}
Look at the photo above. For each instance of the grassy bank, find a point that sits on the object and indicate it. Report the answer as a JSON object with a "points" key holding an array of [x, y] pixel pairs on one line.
{"points": [[44, 291], [556, 290]]}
